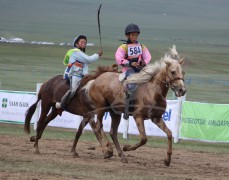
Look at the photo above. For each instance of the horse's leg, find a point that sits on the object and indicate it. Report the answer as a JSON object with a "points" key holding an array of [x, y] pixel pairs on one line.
{"points": [[161, 124], [108, 150], [49, 118], [141, 128], [44, 111], [34, 138], [78, 134], [42, 126], [114, 133]]}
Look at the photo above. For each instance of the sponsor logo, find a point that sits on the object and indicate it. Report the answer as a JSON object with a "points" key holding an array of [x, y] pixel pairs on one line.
{"points": [[7, 103], [4, 102], [18, 104], [167, 115]]}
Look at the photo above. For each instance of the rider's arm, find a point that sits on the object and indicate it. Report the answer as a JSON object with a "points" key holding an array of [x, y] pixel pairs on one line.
{"points": [[120, 56], [82, 57], [146, 56]]}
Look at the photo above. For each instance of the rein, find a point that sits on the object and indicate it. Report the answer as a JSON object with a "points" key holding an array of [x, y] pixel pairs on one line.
{"points": [[168, 83]]}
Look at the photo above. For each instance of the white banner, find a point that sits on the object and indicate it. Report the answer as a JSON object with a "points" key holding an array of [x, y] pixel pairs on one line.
{"points": [[170, 117], [67, 120], [14, 105]]}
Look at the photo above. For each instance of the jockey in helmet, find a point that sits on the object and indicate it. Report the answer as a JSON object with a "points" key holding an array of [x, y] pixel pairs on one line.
{"points": [[77, 66], [132, 56]]}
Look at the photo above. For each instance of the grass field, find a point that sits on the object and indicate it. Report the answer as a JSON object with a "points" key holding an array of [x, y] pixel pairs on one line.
{"points": [[200, 30], [206, 67]]}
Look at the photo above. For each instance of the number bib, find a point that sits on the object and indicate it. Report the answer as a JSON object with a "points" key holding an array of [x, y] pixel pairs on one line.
{"points": [[134, 50]]}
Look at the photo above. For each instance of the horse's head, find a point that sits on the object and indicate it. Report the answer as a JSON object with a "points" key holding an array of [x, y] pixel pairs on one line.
{"points": [[175, 75]]}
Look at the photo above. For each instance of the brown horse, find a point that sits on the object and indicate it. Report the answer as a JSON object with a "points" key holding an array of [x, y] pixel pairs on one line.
{"points": [[154, 81], [81, 104]]}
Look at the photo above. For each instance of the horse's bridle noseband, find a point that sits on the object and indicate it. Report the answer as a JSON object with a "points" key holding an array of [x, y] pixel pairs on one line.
{"points": [[168, 83]]}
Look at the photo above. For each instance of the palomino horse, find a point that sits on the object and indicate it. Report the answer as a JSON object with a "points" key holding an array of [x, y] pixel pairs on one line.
{"points": [[51, 92], [154, 81]]}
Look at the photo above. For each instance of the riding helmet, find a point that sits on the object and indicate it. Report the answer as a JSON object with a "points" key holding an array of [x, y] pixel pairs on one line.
{"points": [[130, 28], [76, 40]]}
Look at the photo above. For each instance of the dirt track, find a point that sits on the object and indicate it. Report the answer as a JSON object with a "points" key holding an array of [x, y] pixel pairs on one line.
{"points": [[56, 162]]}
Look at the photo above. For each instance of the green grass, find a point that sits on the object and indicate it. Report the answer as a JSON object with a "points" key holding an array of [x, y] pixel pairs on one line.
{"points": [[200, 30], [190, 21], [206, 67]]}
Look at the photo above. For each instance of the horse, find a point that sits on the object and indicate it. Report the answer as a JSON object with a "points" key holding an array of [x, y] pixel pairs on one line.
{"points": [[154, 81], [50, 92]]}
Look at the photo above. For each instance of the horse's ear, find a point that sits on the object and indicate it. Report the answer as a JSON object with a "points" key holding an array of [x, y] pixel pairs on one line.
{"points": [[181, 61]]}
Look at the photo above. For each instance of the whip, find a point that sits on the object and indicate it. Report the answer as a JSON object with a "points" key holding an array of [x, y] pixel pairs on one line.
{"points": [[99, 25]]}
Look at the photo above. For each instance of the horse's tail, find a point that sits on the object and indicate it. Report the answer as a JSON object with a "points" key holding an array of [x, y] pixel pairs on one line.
{"points": [[29, 113]]}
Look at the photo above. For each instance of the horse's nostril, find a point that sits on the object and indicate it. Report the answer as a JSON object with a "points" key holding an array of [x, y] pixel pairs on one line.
{"points": [[184, 91]]}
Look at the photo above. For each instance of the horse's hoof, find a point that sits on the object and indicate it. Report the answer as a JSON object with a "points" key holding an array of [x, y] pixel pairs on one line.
{"points": [[73, 150], [75, 155], [108, 154], [32, 138], [126, 148], [124, 160], [166, 162], [37, 152]]}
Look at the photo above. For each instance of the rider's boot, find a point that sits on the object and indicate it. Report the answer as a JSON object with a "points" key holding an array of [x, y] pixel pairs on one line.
{"points": [[131, 89], [127, 105], [64, 100]]}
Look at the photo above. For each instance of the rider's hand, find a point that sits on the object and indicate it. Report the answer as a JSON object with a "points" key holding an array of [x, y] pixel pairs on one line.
{"points": [[100, 53], [142, 63], [135, 64]]}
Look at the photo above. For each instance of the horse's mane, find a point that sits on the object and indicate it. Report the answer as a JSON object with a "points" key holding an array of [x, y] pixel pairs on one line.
{"points": [[100, 70], [152, 69]]}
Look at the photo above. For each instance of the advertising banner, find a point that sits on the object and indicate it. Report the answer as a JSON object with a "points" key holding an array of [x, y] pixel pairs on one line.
{"points": [[170, 117], [206, 122], [14, 105]]}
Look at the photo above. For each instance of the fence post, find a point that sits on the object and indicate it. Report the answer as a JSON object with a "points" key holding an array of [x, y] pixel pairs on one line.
{"points": [[178, 122], [36, 114]]}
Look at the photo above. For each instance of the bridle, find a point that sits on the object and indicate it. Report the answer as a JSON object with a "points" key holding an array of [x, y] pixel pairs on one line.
{"points": [[168, 83]]}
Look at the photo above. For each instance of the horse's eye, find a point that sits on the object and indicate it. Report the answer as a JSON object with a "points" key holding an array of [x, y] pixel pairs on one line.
{"points": [[173, 72]]}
